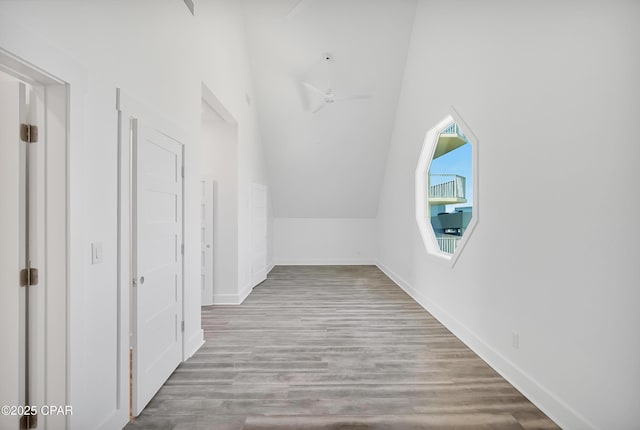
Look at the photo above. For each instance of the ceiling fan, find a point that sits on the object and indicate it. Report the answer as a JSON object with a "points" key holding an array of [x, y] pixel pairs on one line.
{"points": [[329, 97]]}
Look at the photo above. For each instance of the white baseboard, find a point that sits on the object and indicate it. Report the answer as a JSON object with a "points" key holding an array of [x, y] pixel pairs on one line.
{"points": [[245, 293], [323, 262], [565, 416], [270, 268], [117, 420], [194, 343], [225, 299], [233, 299]]}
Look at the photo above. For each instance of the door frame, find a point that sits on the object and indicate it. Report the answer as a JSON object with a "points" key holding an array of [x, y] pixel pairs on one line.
{"points": [[52, 228], [226, 289], [127, 109]]}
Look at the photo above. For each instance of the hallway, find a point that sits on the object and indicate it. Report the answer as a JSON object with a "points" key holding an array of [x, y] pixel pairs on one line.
{"points": [[333, 347]]}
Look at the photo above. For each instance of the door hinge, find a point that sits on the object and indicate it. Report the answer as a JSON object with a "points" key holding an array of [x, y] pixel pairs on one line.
{"points": [[28, 422], [182, 326], [28, 277], [182, 171], [182, 248], [29, 133]]}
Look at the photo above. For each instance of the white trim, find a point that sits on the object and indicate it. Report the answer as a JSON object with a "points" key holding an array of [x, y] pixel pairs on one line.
{"points": [[233, 299], [126, 103], [244, 293], [183, 271], [323, 262], [256, 282], [422, 189], [123, 253], [225, 299], [237, 299], [214, 103], [113, 421], [546, 401], [194, 343], [270, 268]]}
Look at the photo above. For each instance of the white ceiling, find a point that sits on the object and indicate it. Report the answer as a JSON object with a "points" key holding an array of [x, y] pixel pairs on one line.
{"points": [[329, 164]]}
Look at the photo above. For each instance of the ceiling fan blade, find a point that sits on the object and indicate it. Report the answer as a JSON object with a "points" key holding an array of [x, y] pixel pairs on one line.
{"points": [[298, 7], [349, 98], [319, 108], [315, 89]]}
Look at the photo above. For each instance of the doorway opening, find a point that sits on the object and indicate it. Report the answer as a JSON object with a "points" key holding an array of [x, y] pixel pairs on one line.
{"points": [[34, 246], [207, 199], [219, 205]]}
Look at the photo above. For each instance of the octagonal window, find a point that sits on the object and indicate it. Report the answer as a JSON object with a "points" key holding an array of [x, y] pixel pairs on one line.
{"points": [[445, 207]]}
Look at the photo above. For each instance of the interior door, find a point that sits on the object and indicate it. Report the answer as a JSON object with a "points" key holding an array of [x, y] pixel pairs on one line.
{"points": [[206, 241], [157, 260], [11, 392]]}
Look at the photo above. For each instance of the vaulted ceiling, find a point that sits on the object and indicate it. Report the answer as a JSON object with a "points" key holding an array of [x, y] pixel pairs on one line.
{"points": [[328, 164]]}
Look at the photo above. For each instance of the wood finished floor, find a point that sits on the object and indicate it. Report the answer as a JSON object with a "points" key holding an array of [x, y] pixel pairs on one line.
{"points": [[333, 347]]}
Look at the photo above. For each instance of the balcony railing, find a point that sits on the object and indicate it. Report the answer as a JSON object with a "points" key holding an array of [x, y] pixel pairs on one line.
{"points": [[453, 129], [448, 244], [448, 186]]}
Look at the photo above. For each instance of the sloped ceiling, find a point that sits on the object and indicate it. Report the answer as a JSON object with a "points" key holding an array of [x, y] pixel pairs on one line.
{"points": [[329, 164]]}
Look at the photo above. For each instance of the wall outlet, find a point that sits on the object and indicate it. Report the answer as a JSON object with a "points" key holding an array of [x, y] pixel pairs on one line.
{"points": [[96, 253], [515, 340]]}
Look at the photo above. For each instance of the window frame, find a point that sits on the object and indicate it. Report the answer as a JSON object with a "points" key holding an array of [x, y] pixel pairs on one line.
{"points": [[422, 190]]}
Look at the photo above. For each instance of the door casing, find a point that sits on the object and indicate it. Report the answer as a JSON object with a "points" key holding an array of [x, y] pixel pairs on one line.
{"points": [[129, 109], [49, 206]]}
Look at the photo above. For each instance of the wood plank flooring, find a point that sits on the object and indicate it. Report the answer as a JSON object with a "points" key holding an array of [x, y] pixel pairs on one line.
{"points": [[334, 347]]}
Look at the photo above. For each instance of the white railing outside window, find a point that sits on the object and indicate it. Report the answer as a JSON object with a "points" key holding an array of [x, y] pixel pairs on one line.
{"points": [[448, 244], [453, 129], [448, 186]]}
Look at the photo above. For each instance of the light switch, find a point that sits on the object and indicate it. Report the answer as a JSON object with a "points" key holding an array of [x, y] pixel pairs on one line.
{"points": [[96, 253]]}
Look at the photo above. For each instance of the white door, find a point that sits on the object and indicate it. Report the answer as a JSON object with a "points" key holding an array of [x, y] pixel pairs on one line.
{"points": [[10, 261], [259, 233], [206, 241], [157, 260]]}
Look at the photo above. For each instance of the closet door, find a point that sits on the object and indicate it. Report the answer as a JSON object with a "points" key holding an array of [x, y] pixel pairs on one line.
{"points": [[157, 250]]}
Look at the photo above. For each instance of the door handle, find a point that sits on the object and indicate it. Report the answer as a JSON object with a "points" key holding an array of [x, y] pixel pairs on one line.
{"points": [[141, 280]]}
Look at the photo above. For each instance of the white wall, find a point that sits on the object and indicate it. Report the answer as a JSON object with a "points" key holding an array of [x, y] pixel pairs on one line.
{"points": [[324, 240], [551, 90], [159, 54]]}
